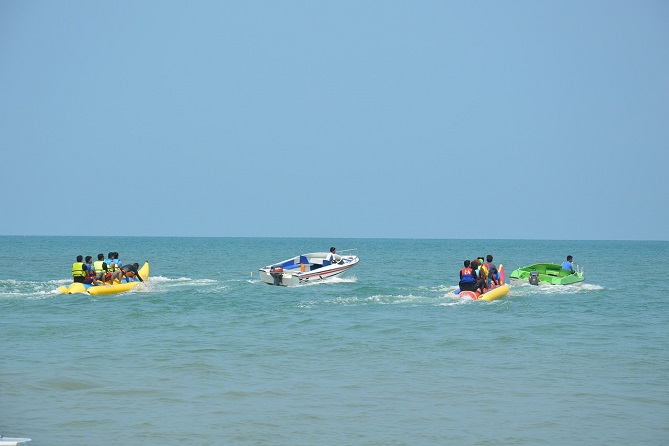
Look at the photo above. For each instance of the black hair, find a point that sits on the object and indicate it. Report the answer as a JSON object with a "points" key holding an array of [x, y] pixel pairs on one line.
{"points": [[569, 258], [88, 258], [489, 258], [101, 256], [467, 263], [332, 249], [79, 258]]}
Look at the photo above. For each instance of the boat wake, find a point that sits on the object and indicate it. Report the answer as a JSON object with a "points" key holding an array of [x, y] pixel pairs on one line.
{"points": [[161, 284], [30, 290], [526, 289], [330, 280], [442, 295]]}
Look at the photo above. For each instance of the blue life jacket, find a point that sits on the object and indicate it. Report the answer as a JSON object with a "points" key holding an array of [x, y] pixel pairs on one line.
{"points": [[467, 275]]}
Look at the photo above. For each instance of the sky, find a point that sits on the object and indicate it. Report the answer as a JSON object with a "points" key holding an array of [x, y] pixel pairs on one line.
{"points": [[347, 119]]}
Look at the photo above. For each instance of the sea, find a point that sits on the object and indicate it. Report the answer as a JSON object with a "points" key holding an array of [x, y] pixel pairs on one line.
{"points": [[207, 354]]}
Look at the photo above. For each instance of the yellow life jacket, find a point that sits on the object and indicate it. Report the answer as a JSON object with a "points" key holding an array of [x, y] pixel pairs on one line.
{"points": [[97, 266], [78, 269], [111, 266]]}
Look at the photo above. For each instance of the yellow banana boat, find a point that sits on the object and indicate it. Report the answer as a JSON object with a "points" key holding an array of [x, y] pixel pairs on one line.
{"points": [[493, 294], [117, 287]]}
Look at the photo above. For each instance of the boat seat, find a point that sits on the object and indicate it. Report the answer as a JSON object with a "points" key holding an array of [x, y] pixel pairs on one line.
{"points": [[326, 262], [304, 260]]}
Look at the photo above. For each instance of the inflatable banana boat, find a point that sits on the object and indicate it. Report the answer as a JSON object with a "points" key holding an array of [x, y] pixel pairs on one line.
{"points": [[494, 293], [117, 287]]}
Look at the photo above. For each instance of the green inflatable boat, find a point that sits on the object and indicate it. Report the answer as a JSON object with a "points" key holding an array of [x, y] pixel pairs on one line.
{"points": [[547, 274]]}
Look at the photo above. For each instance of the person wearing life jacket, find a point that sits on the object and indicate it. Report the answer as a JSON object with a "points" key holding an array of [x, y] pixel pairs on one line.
{"points": [[493, 273], [110, 262], [90, 272], [119, 264], [113, 267], [467, 278], [483, 271], [79, 270], [480, 280], [100, 268]]}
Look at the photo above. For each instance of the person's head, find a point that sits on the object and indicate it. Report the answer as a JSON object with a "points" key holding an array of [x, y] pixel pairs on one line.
{"points": [[80, 258], [333, 250], [136, 265], [475, 264], [569, 258], [480, 260], [89, 259], [101, 256], [116, 255], [488, 258], [467, 263]]}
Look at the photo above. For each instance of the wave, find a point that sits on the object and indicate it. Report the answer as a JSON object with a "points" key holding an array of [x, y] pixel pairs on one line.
{"points": [[19, 289], [13, 289], [442, 295], [160, 284], [397, 299], [525, 289], [180, 280], [331, 280], [26, 290]]}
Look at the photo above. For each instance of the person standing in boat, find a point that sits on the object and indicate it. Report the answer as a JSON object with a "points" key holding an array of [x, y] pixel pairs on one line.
{"points": [[79, 270], [568, 265], [332, 257]]}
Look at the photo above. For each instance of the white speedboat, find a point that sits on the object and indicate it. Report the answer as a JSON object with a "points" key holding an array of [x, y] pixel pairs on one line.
{"points": [[306, 268], [11, 441]]}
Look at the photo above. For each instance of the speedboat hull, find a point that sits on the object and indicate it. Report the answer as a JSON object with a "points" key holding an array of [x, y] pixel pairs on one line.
{"points": [[547, 274], [305, 268], [11, 441]]}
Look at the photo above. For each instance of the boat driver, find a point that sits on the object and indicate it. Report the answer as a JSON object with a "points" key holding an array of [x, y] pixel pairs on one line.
{"points": [[568, 264], [332, 256]]}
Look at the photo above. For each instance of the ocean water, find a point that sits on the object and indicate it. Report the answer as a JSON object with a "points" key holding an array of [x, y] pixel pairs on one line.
{"points": [[206, 354]]}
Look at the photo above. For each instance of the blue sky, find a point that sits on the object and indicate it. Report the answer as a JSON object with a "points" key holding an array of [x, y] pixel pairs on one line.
{"points": [[429, 119]]}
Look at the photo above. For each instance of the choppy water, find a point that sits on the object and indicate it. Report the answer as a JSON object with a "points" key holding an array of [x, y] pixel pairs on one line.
{"points": [[206, 354]]}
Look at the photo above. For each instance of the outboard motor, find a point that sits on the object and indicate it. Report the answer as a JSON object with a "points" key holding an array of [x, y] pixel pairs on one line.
{"points": [[534, 278], [277, 273]]}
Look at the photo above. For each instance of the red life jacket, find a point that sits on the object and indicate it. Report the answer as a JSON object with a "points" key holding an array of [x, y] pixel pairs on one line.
{"points": [[467, 275]]}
